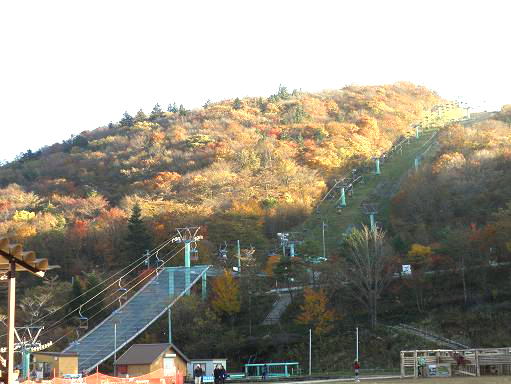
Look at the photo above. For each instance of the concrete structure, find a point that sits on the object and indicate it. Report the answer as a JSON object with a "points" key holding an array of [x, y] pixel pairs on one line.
{"points": [[142, 359], [54, 364]]}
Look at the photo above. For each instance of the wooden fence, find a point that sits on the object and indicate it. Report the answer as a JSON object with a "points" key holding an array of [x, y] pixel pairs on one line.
{"points": [[463, 362]]}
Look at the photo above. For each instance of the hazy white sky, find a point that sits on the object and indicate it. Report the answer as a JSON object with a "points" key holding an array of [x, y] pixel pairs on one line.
{"points": [[68, 66]]}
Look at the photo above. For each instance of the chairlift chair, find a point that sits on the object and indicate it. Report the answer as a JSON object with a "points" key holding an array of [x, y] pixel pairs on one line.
{"points": [[122, 291], [222, 252], [83, 320], [194, 252]]}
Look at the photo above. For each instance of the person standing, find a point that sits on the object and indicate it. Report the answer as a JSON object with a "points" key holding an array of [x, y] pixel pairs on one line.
{"points": [[216, 374], [265, 372], [197, 374], [356, 368], [421, 365], [223, 374]]}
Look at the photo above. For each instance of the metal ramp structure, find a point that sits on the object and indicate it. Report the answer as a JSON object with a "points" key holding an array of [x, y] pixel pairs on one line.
{"points": [[279, 307], [136, 315]]}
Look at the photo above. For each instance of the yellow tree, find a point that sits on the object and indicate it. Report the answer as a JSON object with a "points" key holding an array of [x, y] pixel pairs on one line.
{"points": [[226, 295], [419, 256], [315, 312]]}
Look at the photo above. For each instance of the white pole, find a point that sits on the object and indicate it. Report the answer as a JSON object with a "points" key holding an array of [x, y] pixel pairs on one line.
{"points": [[357, 343], [324, 247], [310, 352], [115, 347]]}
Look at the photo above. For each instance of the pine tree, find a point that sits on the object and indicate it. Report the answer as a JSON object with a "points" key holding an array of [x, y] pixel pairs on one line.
{"points": [[156, 112], [126, 120], [237, 103], [138, 239], [172, 108], [75, 296], [140, 116], [94, 294], [182, 110]]}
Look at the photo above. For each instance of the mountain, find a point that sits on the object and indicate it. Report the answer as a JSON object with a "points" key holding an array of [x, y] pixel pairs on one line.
{"points": [[251, 166]]}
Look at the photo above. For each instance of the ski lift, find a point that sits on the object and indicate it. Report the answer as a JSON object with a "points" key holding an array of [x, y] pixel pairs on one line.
{"points": [[147, 259], [159, 262], [76, 342], [194, 253], [222, 252], [122, 291], [84, 321]]}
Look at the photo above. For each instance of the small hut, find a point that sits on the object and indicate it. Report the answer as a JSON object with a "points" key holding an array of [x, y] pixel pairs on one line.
{"points": [[141, 359]]}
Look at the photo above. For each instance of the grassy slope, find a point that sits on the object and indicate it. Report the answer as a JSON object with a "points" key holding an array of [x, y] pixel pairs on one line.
{"points": [[375, 188]]}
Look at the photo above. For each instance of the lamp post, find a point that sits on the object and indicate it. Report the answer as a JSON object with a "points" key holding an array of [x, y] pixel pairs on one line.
{"points": [[116, 321]]}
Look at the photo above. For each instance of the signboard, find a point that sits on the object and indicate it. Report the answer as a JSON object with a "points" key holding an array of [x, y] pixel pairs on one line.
{"points": [[407, 269], [438, 370], [208, 379]]}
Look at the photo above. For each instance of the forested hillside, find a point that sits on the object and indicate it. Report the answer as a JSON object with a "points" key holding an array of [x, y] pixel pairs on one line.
{"points": [[452, 219], [241, 169]]}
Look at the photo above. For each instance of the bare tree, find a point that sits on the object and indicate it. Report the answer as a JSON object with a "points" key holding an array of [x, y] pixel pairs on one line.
{"points": [[369, 267]]}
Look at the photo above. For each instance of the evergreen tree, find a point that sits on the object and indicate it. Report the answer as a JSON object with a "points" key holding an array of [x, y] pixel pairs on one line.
{"points": [[172, 108], [126, 120], [94, 294], [75, 296], [140, 116], [138, 239], [237, 103], [156, 112], [182, 110]]}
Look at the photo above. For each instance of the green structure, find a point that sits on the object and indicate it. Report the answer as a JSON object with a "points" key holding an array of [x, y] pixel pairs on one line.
{"points": [[342, 199], [285, 369]]}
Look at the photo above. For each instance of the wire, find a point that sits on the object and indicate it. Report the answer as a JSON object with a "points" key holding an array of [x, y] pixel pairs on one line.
{"points": [[106, 288], [144, 257], [115, 300]]}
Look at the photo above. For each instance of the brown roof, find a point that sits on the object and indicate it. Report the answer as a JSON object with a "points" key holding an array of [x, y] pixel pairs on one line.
{"points": [[146, 353]]}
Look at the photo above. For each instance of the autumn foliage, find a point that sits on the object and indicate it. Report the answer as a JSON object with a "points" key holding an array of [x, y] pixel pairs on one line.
{"points": [[314, 312], [226, 295]]}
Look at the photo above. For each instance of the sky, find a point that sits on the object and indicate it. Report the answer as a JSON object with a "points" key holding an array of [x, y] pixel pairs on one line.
{"points": [[69, 66]]}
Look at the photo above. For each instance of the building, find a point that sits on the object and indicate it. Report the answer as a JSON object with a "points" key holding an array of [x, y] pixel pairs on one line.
{"points": [[54, 364], [207, 365], [142, 359]]}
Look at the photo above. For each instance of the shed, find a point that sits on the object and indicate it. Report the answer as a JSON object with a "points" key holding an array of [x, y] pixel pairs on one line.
{"points": [[141, 359], [207, 365], [50, 364]]}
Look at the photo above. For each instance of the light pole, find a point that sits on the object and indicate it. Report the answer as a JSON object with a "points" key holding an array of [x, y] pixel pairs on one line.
{"points": [[323, 225], [115, 320], [310, 352], [357, 345]]}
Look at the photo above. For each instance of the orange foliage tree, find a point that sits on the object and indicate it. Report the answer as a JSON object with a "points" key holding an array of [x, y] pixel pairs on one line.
{"points": [[315, 313], [226, 295]]}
